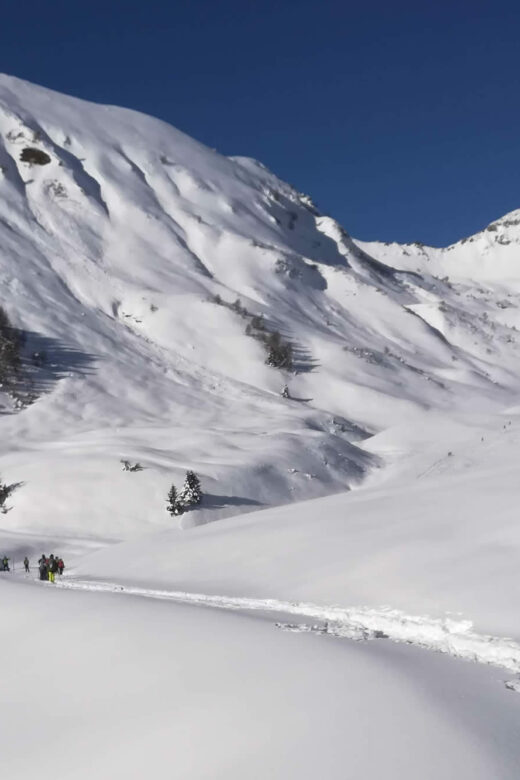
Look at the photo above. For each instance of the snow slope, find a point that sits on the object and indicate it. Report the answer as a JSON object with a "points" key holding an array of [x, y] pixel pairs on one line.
{"points": [[438, 541], [380, 499], [426, 554], [490, 256], [126, 688], [110, 258]]}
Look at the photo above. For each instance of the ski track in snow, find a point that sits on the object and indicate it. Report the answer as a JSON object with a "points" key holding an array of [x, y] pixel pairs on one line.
{"points": [[444, 635]]}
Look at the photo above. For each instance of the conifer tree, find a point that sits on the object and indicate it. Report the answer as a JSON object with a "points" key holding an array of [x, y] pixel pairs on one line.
{"points": [[279, 352], [5, 492], [191, 493], [174, 507], [10, 351]]}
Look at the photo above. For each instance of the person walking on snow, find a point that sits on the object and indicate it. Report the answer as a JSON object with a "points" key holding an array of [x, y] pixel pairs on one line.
{"points": [[53, 568], [5, 563], [43, 566], [26, 564], [60, 565]]}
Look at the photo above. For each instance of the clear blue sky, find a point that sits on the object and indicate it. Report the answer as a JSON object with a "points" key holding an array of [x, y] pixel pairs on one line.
{"points": [[401, 119]]}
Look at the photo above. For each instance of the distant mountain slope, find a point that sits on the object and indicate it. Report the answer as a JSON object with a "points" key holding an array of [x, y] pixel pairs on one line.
{"points": [[490, 255], [146, 269]]}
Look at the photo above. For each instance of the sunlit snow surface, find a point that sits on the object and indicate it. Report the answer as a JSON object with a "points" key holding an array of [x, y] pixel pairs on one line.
{"points": [[403, 403]]}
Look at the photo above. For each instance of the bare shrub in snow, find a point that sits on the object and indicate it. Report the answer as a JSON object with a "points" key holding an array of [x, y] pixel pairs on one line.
{"points": [[127, 466]]}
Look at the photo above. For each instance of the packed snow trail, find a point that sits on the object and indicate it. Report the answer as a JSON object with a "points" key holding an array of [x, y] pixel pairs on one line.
{"points": [[445, 635]]}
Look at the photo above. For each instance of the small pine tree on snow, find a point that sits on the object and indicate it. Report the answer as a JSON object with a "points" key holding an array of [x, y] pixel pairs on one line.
{"points": [[174, 507], [5, 492], [279, 353], [191, 493], [280, 358]]}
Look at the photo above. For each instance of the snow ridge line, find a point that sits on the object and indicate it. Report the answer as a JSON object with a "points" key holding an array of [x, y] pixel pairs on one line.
{"points": [[445, 635]]}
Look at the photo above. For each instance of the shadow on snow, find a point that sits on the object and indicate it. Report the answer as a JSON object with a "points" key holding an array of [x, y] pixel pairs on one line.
{"points": [[211, 501], [46, 360]]}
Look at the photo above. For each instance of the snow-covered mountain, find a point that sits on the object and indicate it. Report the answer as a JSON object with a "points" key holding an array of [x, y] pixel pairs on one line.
{"points": [[156, 282], [145, 270]]}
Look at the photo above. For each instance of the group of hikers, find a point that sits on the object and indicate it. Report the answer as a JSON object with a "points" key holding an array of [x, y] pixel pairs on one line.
{"points": [[48, 567]]}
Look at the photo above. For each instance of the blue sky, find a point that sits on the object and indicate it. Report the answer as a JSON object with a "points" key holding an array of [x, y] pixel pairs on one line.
{"points": [[401, 119]]}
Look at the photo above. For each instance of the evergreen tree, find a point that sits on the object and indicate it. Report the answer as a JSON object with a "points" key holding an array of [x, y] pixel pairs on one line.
{"points": [[174, 507], [279, 353], [5, 492], [10, 351], [191, 493]]}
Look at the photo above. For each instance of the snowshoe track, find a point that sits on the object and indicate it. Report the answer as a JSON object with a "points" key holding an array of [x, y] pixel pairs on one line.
{"points": [[445, 635]]}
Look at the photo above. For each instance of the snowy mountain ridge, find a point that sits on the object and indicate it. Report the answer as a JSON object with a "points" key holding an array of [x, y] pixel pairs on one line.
{"points": [[150, 271], [479, 257]]}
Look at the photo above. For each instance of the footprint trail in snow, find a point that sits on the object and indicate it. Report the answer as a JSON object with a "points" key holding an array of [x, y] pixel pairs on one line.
{"points": [[446, 635]]}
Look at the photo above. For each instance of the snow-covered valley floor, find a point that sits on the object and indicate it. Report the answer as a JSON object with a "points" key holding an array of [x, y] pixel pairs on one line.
{"points": [[114, 688], [150, 677]]}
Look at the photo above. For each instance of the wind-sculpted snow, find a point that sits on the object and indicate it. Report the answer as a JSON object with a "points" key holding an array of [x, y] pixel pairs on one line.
{"points": [[447, 635]]}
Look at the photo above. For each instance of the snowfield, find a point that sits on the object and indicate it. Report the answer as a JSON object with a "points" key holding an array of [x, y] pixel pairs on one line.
{"points": [[345, 601], [143, 687]]}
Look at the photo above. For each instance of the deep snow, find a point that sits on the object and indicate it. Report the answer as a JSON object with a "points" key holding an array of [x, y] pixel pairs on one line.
{"points": [[381, 496], [127, 688]]}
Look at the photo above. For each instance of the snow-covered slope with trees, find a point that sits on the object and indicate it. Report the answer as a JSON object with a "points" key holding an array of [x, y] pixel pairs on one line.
{"points": [[155, 299], [146, 269]]}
